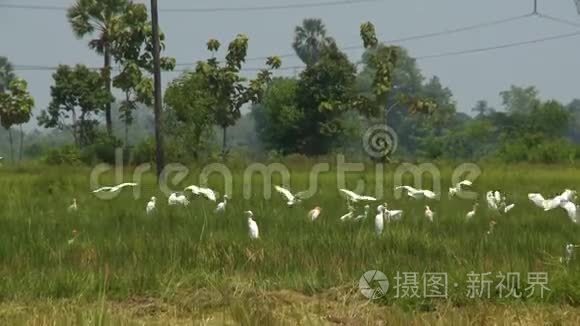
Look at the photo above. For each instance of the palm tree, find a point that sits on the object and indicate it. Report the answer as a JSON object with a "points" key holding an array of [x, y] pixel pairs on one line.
{"points": [[100, 17], [310, 39], [6, 74]]}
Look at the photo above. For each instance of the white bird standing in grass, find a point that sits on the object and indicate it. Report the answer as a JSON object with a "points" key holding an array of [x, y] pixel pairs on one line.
{"points": [[252, 226], [314, 213], [353, 197], [428, 213], [221, 207], [177, 199], [394, 215], [364, 215], [380, 220], [459, 187], [417, 193], [201, 191], [471, 213], [150, 208], [290, 197], [115, 188], [73, 207]]}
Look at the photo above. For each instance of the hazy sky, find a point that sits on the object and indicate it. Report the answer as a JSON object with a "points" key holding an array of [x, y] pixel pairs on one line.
{"points": [[42, 37]]}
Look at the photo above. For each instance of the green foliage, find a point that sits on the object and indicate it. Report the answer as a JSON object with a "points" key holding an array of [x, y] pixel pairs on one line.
{"points": [[66, 155], [16, 105], [227, 88], [310, 39], [192, 106], [78, 96], [520, 99], [144, 152], [6, 74]]}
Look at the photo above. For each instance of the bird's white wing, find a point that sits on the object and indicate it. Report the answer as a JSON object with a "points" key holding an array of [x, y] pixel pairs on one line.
{"points": [[537, 199], [508, 208], [351, 195], [395, 215], [123, 185], [491, 200], [465, 183], [285, 192], [568, 194], [102, 189], [208, 193], [407, 188], [193, 188], [497, 196], [429, 194], [550, 204], [367, 198], [571, 210], [346, 216]]}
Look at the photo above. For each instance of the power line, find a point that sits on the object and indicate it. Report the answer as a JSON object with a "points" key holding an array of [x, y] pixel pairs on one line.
{"points": [[214, 9], [431, 56], [501, 46], [411, 37], [559, 20]]}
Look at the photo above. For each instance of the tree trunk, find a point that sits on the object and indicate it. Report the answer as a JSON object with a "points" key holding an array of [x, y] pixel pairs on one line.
{"points": [[126, 135], [107, 72], [224, 141], [11, 145], [159, 153], [21, 143], [74, 128]]}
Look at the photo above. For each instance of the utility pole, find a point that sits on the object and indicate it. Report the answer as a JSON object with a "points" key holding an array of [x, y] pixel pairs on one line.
{"points": [[159, 155], [535, 7]]}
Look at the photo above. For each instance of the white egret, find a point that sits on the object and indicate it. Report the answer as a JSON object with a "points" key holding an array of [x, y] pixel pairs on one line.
{"points": [[380, 220], [314, 213], [417, 193], [290, 197], [201, 191], [365, 214], [252, 226], [73, 207], [471, 213], [150, 208], [115, 188], [508, 208], [221, 207], [177, 199], [569, 195], [429, 213], [353, 197], [459, 187]]}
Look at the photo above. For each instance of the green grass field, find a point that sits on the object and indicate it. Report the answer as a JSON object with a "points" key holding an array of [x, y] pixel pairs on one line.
{"points": [[187, 265]]}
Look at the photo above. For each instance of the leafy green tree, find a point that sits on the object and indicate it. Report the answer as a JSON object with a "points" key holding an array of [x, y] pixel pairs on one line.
{"points": [[15, 109], [100, 17], [6, 74], [309, 40], [78, 96], [325, 91], [188, 99], [132, 48], [278, 119], [229, 90], [520, 99], [482, 109]]}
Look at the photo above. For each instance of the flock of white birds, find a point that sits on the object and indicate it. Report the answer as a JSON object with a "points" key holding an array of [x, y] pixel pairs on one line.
{"points": [[496, 202]]}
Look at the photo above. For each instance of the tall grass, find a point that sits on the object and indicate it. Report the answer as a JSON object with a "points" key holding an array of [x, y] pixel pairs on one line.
{"points": [[121, 253]]}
